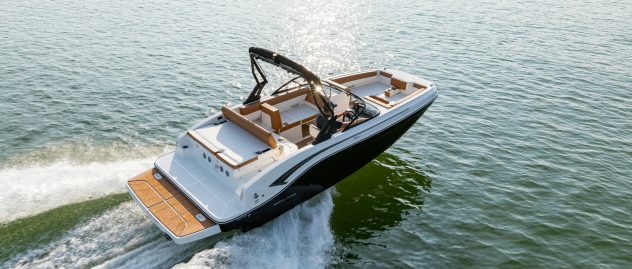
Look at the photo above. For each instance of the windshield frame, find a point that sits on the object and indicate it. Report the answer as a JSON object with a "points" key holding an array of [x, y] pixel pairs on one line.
{"points": [[358, 99]]}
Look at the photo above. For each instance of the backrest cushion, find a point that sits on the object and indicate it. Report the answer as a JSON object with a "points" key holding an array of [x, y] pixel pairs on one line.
{"points": [[249, 126], [353, 77], [419, 86], [400, 84], [386, 74], [273, 100], [273, 114]]}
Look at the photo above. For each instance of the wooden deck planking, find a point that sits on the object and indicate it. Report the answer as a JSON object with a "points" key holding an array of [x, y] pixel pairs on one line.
{"points": [[172, 208], [168, 217], [164, 188], [145, 193]]}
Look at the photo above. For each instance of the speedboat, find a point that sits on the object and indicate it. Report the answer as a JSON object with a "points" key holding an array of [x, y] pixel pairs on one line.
{"points": [[250, 163]]}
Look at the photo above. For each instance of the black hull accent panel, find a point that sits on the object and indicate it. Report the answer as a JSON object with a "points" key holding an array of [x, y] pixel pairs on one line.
{"points": [[325, 174]]}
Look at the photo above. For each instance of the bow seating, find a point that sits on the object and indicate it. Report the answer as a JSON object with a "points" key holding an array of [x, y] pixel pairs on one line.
{"points": [[381, 87]]}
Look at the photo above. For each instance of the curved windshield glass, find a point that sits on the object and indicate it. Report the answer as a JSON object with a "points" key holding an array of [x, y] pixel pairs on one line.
{"points": [[370, 111]]}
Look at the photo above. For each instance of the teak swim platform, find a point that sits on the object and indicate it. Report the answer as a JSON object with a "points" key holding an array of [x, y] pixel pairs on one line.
{"points": [[248, 164], [167, 204]]}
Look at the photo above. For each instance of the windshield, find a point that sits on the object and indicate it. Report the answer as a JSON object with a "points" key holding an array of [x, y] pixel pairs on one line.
{"points": [[370, 111]]}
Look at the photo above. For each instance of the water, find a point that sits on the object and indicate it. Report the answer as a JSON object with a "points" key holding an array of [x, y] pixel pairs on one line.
{"points": [[523, 161]]}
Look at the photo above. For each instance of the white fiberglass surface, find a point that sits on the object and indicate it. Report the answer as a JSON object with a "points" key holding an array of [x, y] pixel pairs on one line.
{"points": [[207, 191], [300, 112], [236, 143], [374, 88], [265, 127], [247, 177], [287, 118], [395, 98], [378, 89]]}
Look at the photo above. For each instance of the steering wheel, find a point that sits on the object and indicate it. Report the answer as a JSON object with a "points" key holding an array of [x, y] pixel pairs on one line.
{"points": [[349, 116]]}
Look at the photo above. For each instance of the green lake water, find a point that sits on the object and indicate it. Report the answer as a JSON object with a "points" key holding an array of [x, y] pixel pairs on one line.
{"points": [[524, 160]]}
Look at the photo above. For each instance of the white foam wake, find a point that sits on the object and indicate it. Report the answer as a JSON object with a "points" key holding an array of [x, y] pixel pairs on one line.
{"points": [[301, 238], [35, 189], [123, 237]]}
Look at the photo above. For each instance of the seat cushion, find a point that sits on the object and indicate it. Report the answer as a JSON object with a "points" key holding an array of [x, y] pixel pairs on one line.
{"points": [[300, 113], [249, 126], [272, 100], [232, 141]]}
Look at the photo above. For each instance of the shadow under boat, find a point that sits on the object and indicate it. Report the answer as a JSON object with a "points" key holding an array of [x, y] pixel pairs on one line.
{"points": [[378, 196]]}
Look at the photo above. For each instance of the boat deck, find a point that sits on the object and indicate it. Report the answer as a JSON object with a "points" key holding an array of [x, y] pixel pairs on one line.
{"points": [[168, 205], [375, 92]]}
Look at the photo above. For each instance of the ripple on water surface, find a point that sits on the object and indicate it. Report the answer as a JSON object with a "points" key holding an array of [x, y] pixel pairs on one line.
{"points": [[523, 160]]}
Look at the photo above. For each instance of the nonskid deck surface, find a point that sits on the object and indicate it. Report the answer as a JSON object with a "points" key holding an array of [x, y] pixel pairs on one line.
{"points": [[172, 208]]}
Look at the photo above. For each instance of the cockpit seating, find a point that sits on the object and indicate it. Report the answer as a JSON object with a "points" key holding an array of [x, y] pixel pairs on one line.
{"points": [[249, 126]]}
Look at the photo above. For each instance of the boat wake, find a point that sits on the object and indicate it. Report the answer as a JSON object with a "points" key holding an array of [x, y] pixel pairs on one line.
{"points": [[36, 189], [121, 237], [124, 237], [300, 238]]}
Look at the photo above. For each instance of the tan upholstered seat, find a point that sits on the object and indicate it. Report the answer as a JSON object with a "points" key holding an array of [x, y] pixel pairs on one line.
{"points": [[228, 157], [271, 116], [400, 84], [272, 100], [249, 126], [353, 77]]}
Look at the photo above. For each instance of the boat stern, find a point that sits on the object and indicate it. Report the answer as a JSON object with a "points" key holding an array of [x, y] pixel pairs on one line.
{"points": [[169, 208]]}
